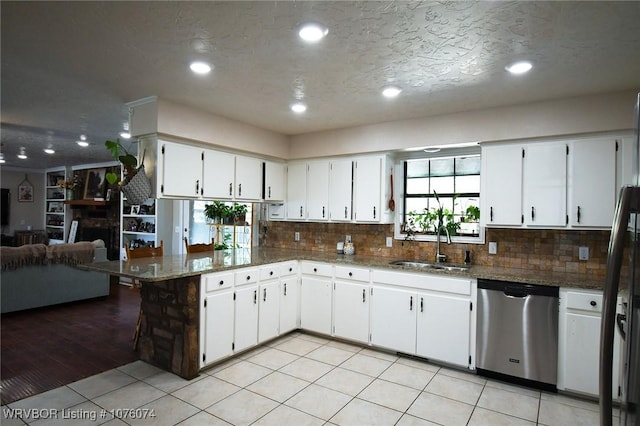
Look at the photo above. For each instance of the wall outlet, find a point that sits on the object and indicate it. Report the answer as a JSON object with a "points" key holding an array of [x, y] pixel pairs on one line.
{"points": [[493, 247], [296, 236], [389, 241], [583, 253]]}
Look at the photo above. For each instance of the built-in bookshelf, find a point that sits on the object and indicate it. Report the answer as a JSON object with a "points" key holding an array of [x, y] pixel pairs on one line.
{"points": [[55, 217]]}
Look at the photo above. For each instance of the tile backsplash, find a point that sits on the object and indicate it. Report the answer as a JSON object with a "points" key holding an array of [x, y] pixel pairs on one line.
{"points": [[544, 250]]}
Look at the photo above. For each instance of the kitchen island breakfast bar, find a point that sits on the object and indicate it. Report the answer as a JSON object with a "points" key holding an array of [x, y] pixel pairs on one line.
{"points": [[171, 292]]}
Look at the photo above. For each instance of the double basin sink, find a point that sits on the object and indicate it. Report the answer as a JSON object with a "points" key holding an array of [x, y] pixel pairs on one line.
{"points": [[426, 265]]}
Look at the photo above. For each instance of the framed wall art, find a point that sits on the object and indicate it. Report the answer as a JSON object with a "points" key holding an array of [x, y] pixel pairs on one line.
{"points": [[25, 191], [95, 184]]}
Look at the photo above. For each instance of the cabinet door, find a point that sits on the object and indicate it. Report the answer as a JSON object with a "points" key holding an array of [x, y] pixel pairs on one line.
{"points": [[218, 174], [297, 191], [502, 189], [582, 352], [248, 178], [315, 305], [340, 190], [274, 181], [443, 328], [545, 184], [367, 189], [592, 182], [246, 317], [393, 319], [218, 326], [289, 296], [182, 170], [351, 311], [269, 306], [318, 190]]}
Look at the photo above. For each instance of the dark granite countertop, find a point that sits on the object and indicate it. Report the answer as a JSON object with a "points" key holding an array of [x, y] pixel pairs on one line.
{"points": [[177, 266]]}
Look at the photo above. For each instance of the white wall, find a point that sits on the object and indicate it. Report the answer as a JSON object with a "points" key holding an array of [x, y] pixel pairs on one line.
{"points": [[588, 114], [196, 125], [22, 215]]}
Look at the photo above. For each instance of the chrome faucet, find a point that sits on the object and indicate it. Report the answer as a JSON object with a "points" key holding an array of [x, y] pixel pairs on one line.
{"points": [[441, 257]]}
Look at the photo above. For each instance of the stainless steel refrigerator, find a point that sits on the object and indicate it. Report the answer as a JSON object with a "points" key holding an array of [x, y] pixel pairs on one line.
{"points": [[625, 233]]}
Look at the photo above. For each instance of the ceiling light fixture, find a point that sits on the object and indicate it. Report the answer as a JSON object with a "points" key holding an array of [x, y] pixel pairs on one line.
{"points": [[391, 91], [2, 160], [200, 67], [23, 154], [298, 107], [83, 143], [313, 32], [431, 150], [125, 135], [49, 150], [519, 67]]}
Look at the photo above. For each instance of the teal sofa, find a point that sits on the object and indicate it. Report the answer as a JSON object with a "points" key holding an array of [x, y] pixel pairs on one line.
{"points": [[36, 275]]}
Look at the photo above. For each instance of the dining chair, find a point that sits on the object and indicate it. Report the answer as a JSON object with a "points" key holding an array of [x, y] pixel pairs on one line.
{"points": [[198, 247]]}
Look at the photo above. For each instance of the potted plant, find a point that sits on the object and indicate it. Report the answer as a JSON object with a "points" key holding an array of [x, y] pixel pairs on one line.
{"points": [[239, 213], [135, 185], [217, 212]]}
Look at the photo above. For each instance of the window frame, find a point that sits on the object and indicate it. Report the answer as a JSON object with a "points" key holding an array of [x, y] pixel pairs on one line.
{"points": [[400, 189]]}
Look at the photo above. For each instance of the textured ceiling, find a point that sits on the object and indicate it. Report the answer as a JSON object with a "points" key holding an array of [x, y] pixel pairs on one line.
{"points": [[69, 67]]}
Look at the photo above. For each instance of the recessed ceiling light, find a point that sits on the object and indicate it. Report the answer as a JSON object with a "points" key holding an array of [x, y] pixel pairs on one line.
{"points": [[519, 67], [200, 67], [125, 135], [83, 144], [298, 107], [49, 150], [391, 91], [23, 154], [313, 32], [83, 137]]}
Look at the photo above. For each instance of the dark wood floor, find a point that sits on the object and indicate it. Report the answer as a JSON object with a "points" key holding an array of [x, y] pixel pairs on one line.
{"points": [[42, 349]]}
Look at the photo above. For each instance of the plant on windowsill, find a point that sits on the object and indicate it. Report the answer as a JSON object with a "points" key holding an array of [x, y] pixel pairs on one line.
{"points": [[239, 213], [217, 212], [430, 221]]}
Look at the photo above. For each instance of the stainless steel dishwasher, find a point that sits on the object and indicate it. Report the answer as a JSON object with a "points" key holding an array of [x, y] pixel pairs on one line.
{"points": [[517, 334]]}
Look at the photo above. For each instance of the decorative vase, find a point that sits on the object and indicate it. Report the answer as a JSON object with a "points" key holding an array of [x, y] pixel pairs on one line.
{"points": [[349, 248], [69, 194]]}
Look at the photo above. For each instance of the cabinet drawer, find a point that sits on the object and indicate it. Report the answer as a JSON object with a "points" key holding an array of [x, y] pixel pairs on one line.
{"points": [[350, 273], [591, 302], [312, 268], [269, 272], [213, 282], [433, 282], [289, 268], [246, 276]]}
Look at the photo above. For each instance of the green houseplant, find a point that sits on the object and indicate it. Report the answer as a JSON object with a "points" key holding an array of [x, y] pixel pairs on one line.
{"points": [[239, 213], [217, 212], [136, 186]]}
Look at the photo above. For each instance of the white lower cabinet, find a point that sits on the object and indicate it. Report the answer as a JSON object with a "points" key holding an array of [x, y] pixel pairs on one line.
{"points": [[217, 317], [315, 297], [393, 319], [443, 328], [351, 304], [579, 342], [246, 317], [426, 315], [269, 321], [289, 297]]}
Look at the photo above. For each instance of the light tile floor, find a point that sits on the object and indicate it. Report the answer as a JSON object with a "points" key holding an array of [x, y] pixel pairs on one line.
{"points": [[300, 379]]}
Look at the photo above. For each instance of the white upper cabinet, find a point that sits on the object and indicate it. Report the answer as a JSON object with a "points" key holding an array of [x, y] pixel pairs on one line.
{"points": [[318, 190], [371, 190], [182, 170], [552, 184], [274, 181], [544, 196], [592, 182], [297, 191], [218, 175], [248, 178], [340, 190], [502, 189]]}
